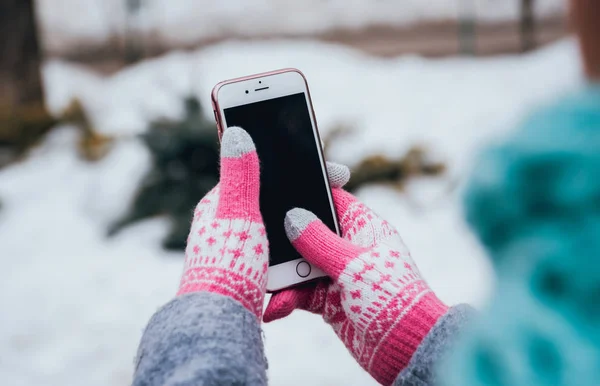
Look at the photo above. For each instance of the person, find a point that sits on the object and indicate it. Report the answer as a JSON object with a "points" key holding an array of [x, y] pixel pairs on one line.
{"points": [[534, 201]]}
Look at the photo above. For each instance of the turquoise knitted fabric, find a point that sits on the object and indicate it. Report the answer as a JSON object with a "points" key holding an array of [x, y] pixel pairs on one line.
{"points": [[534, 201]]}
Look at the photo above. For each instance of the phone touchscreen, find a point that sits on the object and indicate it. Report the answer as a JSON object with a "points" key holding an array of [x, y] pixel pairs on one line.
{"points": [[291, 174]]}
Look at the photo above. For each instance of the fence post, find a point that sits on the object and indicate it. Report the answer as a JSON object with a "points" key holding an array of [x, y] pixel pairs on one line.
{"points": [[133, 43], [527, 26], [466, 27]]}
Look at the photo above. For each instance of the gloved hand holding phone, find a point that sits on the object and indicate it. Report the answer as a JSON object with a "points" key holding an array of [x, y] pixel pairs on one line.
{"points": [[227, 248], [376, 300]]}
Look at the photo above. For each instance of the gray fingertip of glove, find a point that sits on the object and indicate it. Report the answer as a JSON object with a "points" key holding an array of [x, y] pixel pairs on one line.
{"points": [[236, 142], [339, 174], [296, 221]]}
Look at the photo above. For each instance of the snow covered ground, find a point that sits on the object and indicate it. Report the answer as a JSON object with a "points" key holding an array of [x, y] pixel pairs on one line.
{"points": [[74, 303], [67, 22]]}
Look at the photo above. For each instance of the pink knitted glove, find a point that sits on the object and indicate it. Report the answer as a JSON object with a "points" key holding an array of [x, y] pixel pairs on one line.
{"points": [[227, 250], [377, 302]]}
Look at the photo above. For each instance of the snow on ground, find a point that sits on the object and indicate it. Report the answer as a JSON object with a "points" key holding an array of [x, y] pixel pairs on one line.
{"points": [[66, 22], [74, 303]]}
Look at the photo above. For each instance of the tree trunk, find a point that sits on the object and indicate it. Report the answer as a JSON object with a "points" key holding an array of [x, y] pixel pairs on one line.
{"points": [[528, 40], [23, 116]]}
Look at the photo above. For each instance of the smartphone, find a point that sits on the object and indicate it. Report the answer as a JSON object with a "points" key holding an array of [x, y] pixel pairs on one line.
{"points": [[276, 110]]}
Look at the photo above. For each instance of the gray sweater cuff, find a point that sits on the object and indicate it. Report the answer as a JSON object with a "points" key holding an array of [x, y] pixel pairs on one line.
{"points": [[201, 339], [421, 368]]}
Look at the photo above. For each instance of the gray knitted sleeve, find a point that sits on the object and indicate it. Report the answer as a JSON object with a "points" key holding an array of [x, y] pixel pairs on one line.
{"points": [[201, 339], [421, 368]]}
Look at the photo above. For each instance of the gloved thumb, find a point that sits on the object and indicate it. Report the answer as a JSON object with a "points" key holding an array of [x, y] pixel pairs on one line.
{"points": [[240, 176], [318, 244]]}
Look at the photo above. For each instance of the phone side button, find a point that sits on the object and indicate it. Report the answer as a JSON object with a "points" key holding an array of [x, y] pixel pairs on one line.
{"points": [[303, 269]]}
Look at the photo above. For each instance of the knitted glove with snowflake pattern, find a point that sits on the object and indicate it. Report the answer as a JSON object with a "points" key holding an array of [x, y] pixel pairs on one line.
{"points": [[376, 302], [227, 250]]}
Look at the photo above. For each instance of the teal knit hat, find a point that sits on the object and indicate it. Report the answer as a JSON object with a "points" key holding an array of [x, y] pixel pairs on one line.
{"points": [[548, 170], [534, 201]]}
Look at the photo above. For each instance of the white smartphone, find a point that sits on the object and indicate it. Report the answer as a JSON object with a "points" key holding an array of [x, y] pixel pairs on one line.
{"points": [[276, 110]]}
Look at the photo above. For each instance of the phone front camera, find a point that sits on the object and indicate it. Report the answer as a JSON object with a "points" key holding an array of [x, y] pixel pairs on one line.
{"points": [[246, 91]]}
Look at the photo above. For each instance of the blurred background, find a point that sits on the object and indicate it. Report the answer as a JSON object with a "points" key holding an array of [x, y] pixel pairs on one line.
{"points": [[107, 141]]}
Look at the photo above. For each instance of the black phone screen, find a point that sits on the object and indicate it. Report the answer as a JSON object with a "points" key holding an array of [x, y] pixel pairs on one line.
{"points": [[291, 174]]}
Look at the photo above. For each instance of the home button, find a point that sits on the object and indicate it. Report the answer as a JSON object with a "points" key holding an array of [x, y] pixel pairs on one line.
{"points": [[303, 269]]}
